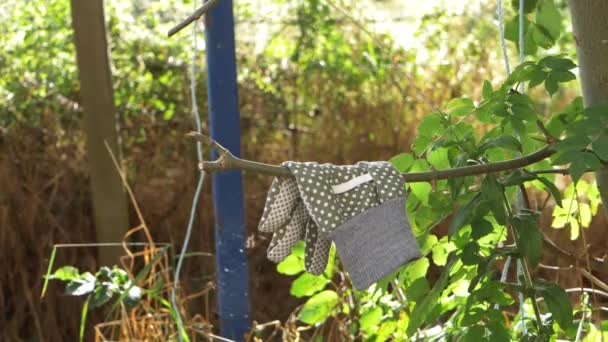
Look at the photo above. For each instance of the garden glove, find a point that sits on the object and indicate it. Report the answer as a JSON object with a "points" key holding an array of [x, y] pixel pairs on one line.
{"points": [[285, 216], [362, 209]]}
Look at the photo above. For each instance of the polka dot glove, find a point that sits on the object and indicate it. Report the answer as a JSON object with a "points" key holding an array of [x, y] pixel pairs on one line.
{"points": [[362, 209], [285, 216]]}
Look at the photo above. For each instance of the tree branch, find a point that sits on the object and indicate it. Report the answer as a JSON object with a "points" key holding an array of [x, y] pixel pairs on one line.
{"points": [[227, 161], [192, 17]]}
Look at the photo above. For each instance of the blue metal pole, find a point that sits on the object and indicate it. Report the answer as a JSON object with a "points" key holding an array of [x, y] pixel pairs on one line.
{"points": [[231, 261]]}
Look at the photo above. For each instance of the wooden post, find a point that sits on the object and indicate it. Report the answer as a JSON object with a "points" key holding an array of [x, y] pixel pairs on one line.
{"points": [[109, 199], [590, 26]]}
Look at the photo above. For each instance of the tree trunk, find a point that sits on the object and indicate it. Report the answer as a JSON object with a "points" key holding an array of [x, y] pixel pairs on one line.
{"points": [[109, 199], [590, 26]]}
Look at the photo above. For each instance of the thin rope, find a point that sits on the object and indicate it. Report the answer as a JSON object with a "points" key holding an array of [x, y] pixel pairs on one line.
{"points": [[519, 195], [519, 270], [501, 29], [199, 186], [507, 265], [522, 45], [521, 299]]}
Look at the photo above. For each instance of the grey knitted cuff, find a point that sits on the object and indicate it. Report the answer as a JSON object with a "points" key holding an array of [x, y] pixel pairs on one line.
{"points": [[375, 243]]}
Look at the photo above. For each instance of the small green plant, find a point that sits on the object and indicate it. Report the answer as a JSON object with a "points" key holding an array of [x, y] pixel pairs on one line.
{"points": [[112, 285], [98, 288]]}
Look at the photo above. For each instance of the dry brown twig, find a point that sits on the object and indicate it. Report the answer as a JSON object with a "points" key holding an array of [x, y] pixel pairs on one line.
{"points": [[193, 17]]}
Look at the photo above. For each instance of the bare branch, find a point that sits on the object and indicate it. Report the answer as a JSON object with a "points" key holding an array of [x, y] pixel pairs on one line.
{"points": [[192, 17], [227, 161]]}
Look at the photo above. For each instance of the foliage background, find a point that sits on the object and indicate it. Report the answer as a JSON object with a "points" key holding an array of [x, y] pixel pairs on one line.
{"points": [[329, 81]]}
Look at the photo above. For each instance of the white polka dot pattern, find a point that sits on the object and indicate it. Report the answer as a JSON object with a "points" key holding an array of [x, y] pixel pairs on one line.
{"points": [[286, 237], [286, 217], [330, 210], [317, 249], [280, 204]]}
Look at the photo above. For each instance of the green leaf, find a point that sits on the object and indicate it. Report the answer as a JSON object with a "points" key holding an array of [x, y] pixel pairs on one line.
{"points": [[370, 320], [431, 125], [558, 303], [541, 36], [460, 106], [470, 254], [551, 188], [530, 241], [318, 307], [442, 250], [529, 5], [492, 292], [439, 158], [331, 263], [598, 111], [557, 63], [82, 285], [308, 284], [119, 276], [487, 89], [424, 307], [537, 77], [463, 215], [591, 161], [426, 243], [584, 161], [421, 143], [101, 295], [291, 265], [576, 142], [518, 98], [512, 34], [492, 193], [414, 270], [600, 147], [402, 162], [566, 157], [385, 331], [524, 112], [549, 17], [66, 273], [480, 228], [498, 332], [505, 141], [421, 190], [577, 169], [551, 85], [474, 334], [417, 289], [562, 76], [518, 125]]}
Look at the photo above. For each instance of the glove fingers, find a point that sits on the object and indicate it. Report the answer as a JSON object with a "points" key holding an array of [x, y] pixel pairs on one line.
{"points": [[285, 238], [316, 252], [280, 204]]}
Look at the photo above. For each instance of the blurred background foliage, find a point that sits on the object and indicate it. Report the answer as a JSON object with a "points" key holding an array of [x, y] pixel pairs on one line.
{"points": [[324, 80]]}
